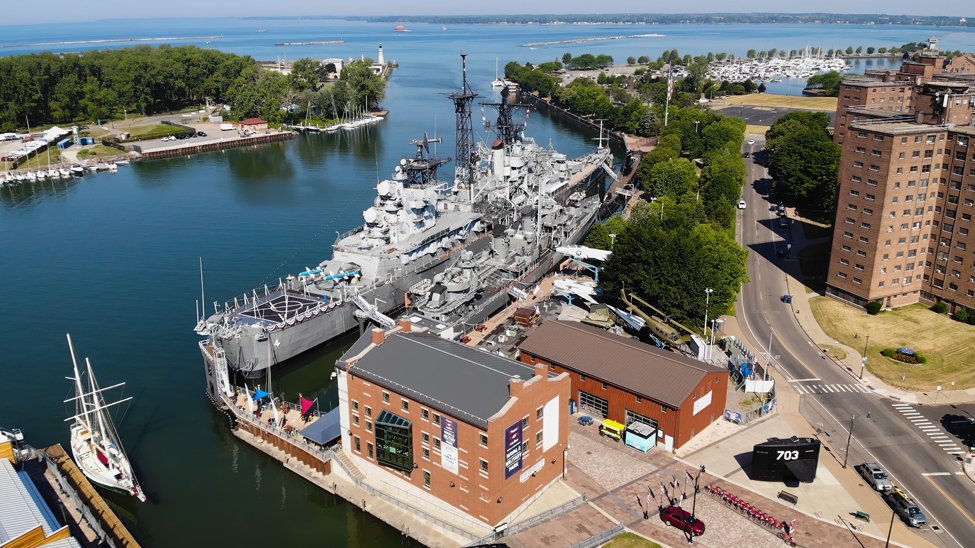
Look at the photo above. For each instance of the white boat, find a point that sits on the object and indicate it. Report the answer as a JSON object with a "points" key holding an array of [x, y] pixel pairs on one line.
{"points": [[112, 167], [92, 168], [31, 176], [121, 162], [498, 82], [65, 173], [53, 173], [77, 170], [95, 444], [101, 167]]}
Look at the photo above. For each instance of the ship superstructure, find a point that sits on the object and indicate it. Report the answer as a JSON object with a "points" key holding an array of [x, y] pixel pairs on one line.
{"points": [[443, 248]]}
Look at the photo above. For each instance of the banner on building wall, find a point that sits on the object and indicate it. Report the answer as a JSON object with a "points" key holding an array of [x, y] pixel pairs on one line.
{"points": [[512, 450], [448, 445], [550, 424], [700, 404]]}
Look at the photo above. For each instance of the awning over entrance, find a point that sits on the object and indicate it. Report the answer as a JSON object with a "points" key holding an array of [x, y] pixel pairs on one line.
{"points": [[325, 430]]}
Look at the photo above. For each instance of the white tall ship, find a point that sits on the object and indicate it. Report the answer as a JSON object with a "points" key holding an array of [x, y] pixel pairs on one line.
{"points": [[95, 443]]}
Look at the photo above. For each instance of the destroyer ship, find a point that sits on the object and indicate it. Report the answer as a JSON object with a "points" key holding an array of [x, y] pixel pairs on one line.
{"points": [[449, 251]]}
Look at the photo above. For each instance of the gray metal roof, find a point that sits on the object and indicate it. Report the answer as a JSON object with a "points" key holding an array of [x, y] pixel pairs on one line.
{"points": [[462, 382], [650, 372], [21, 512]]}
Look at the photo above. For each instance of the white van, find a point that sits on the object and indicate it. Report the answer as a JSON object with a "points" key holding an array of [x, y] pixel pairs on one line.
{"points": [[227, 127]]}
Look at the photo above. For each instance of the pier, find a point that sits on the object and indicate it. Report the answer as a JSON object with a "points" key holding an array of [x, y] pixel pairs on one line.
{"points": [[185, 148], [580, 40], [107, 40]]}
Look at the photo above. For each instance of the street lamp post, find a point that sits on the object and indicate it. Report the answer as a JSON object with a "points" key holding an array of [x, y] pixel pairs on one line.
{"points": [[864, 364], [849, 439], [613, 244], [707, 303]]}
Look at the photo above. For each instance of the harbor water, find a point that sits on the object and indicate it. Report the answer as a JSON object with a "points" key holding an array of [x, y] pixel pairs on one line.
{"points": [[112, 258]]}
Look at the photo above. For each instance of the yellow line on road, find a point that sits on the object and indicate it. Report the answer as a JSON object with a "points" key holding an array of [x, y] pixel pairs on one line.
{"points": [[951, 500]]}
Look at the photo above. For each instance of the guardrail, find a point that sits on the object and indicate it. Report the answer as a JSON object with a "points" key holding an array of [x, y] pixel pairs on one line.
{"points": [[538, 519], [601, 538], [414, 510]]}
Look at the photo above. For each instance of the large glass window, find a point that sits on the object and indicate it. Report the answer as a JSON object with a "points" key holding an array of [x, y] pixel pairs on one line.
{"points": [[394, 441]]}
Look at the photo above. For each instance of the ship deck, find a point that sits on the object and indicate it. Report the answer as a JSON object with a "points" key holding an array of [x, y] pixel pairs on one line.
{"points": [[278, 308]]}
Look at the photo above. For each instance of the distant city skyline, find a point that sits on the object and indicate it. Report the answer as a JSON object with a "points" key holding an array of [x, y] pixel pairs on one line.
{"points": [[66, 12]]}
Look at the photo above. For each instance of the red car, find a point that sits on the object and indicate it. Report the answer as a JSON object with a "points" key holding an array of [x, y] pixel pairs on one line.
{"points": [[681, 519]]}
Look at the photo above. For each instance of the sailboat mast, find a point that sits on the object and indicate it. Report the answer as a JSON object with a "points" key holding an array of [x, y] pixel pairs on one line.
{"points": [[99, 409], [81, 408]]}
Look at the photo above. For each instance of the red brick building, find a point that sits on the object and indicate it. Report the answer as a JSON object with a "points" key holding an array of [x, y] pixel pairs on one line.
{"points": [[903, 231], [625, 380], [473, 434]]}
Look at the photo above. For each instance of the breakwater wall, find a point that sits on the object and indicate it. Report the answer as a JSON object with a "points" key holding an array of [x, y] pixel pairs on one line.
{"points": [[218, 145], [615, 137]]}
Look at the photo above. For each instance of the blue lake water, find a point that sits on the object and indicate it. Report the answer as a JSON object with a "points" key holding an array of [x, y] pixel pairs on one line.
{"points": [[112, 258]]}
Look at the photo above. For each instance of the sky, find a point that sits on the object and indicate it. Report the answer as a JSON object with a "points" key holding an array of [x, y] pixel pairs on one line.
{"points": [[63, 11]]}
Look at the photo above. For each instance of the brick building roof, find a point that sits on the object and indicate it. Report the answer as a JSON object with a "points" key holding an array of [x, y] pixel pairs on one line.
{"points": [[653, 373], [252, 122]]}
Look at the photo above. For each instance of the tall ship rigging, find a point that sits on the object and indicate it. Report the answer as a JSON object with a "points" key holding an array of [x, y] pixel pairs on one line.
{"points": [[95, 444], [448, 249]]}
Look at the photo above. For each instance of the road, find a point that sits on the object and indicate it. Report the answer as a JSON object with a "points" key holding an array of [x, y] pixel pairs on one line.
{"points": [[831, 396]]}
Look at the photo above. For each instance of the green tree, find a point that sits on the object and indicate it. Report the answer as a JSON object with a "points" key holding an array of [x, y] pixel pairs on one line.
{"points": [[631, 60], [871, 49], [673, 178], [751, 54], [859, 50], [599, 237], [643, 60], [566, 58], [849, 50], [829, 82], [805, 161], [882, 50]]}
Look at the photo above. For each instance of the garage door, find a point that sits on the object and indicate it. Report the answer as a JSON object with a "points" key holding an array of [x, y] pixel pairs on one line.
{"points": [[594, 404], [632, 417]]}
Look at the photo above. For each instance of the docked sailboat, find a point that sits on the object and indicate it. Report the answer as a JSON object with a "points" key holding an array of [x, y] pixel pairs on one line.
{"points": [[95, 443]]}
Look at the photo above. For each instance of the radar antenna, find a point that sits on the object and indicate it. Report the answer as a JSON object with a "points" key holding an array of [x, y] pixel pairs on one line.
{"points": [[466, 160]]}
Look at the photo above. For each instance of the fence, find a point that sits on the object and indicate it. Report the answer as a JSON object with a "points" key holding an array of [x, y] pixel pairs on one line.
{"points": [[601, 538], [535, 520]]}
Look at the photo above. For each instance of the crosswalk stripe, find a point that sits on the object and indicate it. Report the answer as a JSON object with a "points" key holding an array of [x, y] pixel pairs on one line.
{"points": [[845, 387], [900, 405], [832, 388], [927, 429]]}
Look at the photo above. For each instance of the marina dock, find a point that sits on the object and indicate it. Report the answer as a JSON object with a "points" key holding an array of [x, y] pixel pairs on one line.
{"points": [[154, 150]]}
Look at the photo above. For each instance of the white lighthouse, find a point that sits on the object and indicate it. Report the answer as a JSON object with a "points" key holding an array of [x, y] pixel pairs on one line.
{"points": [[381, 61]]}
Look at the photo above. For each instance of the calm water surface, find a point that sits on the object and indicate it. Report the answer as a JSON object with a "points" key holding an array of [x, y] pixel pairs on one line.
{"points": [[112, 258]]}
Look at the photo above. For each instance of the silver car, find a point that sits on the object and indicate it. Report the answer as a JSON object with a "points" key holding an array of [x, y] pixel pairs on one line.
{"points": [[875, 476]]}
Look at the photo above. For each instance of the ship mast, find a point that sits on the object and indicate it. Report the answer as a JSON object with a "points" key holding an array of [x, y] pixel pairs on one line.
{"points": [[464, 131], [81, 406]]}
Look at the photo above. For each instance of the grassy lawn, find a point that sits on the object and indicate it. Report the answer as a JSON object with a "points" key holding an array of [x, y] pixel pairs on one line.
{"points": [[154, 131], [834, 352], [98, 132], [629, 540], [98, 150], [756, 130], [812, 229], [771, 100], [946, 343], [41, 159]]}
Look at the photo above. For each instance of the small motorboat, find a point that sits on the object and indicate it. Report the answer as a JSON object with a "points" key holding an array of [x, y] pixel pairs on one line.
{"points": [[77, 170]]}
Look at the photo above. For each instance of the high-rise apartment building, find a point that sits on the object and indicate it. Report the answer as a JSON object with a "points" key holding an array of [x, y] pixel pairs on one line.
{"points": [[903, 231]]}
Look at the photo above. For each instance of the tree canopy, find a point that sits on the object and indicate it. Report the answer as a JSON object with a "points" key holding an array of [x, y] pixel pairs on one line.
{"points": [[804, 160]]}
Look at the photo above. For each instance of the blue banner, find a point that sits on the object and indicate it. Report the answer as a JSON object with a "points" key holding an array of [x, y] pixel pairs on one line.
{"points": [[512, 450]]}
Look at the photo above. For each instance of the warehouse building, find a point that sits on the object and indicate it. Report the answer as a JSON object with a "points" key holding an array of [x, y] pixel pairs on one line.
{"points": [[472, 434], [617, 378]]}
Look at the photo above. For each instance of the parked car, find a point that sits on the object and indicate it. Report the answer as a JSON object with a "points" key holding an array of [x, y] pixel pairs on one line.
{"points": [[200, 134], [875, 476], [905, 507], [676, 516], [787, 299], [742, 204], [783, 222], [751, 142]]}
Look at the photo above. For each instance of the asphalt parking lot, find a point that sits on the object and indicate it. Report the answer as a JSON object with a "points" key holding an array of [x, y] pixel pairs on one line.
{"points": [[762, 116]]}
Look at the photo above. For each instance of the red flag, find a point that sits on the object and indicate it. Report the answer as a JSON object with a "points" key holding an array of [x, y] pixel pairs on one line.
{"points": [[306, 405]]}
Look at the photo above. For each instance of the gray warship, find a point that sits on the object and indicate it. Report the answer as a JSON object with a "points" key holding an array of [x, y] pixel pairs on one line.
{"points": [[449, 251]]}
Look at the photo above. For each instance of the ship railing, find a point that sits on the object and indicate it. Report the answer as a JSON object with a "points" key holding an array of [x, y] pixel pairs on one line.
{"points": [[67, 490], [291, 438], [344, 235]]}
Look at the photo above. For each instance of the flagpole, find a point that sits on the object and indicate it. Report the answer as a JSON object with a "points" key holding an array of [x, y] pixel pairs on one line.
{"points": [[667, 105]]}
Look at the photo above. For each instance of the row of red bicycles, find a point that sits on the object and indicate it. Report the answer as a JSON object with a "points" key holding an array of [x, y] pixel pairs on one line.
{"points": [[750, 511]]}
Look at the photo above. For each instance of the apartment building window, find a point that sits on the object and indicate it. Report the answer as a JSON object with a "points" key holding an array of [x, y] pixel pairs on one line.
{"points": [[538, 437], [426, 453], [845, 262], [539, 413], [425, 414], [871, 182], [901, 241], [369, 449], [878, 137], [358, 444], [867, 211], [857, 164], [524, 424], [368, 426], [484, 466], [883, 270], [926, 168], [862, 150], [857, 281], [908, 280], [854, 193], [870, 197], [856, 178], [956, 273], [368, 411], [385, 397], [959, 260], [436, 443], [484, 440], [406, 406], [901, 155], [436, 419], [861, 253], [426, 477], [841, 275], [426, 438], [864, 239], [862, 134], [904, 225], [876, 153], [850, 221], [847, 248], [880, 284], [864, 225], [913, 169], [847, 234], [851, 207], [858, 266], [874, 167], [929, 153], [355, 420]]}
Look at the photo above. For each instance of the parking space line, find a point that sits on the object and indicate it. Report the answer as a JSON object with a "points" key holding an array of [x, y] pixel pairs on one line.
{"points": [[936, 474]]}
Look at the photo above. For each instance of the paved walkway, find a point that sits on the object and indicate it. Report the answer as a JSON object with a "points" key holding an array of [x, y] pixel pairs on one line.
{"points": [[616, 479]]}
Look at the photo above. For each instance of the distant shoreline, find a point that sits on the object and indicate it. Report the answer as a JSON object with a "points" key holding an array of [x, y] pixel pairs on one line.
{"points": [[110, 40]]}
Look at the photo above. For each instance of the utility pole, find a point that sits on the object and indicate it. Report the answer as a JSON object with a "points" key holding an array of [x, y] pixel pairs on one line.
{"points": [[893, 516], [707, 303], [768, 356], [849, 439]]}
